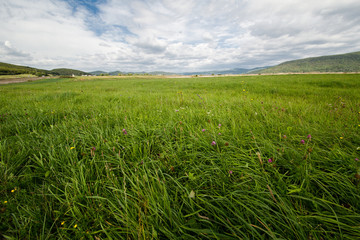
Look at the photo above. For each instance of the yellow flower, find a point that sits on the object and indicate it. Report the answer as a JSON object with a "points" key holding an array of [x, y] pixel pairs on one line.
{"points": [[341, 138], [5, 202], [75, 226], [63, 222], [243, 90], [72, 148], [13, 190]]}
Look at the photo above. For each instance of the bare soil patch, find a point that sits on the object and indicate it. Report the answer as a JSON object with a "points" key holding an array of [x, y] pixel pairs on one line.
{"points": [[20, 80]]}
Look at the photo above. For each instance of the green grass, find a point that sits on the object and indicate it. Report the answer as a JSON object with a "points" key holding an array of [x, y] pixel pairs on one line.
{"points": [[68, 170], [16, 76]]}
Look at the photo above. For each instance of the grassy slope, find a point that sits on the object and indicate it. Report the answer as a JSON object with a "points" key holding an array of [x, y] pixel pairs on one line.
{"points": [[142, 184], [336, 63], [11, 69]]}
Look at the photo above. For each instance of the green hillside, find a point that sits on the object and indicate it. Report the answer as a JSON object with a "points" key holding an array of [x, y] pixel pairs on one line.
{"points": [[349, 62], [11, 69], [67, 72]]}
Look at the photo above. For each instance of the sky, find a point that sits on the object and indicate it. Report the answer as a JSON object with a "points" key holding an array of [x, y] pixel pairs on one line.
{"points": [[174, 35]]}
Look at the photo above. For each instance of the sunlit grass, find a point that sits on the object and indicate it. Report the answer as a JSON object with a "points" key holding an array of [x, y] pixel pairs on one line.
{"points": [[213, 158], [16, 76]]}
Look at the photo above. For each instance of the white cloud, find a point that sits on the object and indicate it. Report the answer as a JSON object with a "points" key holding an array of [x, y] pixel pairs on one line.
{"points": [[178, 35]]}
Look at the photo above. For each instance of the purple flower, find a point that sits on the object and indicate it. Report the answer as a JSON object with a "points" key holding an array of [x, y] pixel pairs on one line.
{"points": [[124, 131], [93, 148], [309, 137], [270, 160], [213, 143], [219, 125], [356, 159], [203, 130], [302, 141], [230, 172], [219, 133]]}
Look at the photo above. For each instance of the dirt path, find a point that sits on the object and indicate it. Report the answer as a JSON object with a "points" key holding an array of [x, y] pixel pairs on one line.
{"points": [[20, 80]]}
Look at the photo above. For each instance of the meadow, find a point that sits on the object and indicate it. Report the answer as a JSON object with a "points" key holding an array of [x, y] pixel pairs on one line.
{"points": [[245, 157]]}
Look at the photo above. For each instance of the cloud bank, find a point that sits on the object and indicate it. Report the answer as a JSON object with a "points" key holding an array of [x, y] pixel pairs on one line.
{"points": [[178, 36]]}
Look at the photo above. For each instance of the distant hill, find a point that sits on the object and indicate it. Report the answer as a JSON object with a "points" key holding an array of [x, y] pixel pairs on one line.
{"points": [[11, 69], [67, 72], [97, 72], [230, 71], [349, 62]]}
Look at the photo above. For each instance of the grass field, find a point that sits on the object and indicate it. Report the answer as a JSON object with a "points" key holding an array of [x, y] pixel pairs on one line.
{"points": [[16, 76], [251, 157]]}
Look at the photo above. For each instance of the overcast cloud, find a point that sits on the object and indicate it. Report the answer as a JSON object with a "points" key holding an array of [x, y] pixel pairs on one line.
{"points": [[177, 36]]}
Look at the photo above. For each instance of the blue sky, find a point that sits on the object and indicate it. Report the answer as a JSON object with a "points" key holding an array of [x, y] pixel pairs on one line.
{"points": [[177, 36]]}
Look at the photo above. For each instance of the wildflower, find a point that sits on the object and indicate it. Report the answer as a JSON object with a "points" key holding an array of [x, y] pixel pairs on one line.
{"points": [[309, 137], [176, 110], [72, 148], [270, 160], [341, 137], [192, 194], [356, 159], [243, 90], [93, 148], [219, 133], [213, 143], [219, 125], [302, 141], [203, 130], [63, 222], [285, 137], [230, 172], [5, 202], [124, 131], [75, 226]]}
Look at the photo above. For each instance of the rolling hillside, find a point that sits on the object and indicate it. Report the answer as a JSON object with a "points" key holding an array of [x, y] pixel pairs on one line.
{"points": [[12, 69], [349, 62], [67, 72]]}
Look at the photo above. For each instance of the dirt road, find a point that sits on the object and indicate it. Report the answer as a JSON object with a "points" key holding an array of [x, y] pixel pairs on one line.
{"points": [[19, 80]]}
